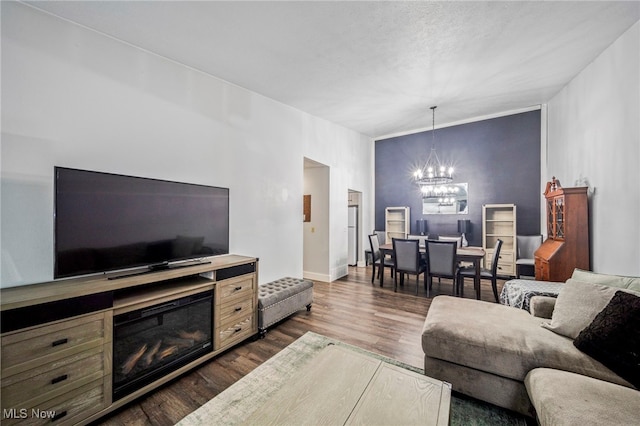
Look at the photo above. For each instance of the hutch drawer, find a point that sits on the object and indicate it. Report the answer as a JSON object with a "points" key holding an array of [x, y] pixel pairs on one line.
{"points": [[505, 262]]}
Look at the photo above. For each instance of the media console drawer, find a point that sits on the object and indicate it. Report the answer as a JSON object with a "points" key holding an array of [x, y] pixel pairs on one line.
{"points": [[236, 288], [231, 333], [47, 381], [66, 409], [24, 350], [231, 312]]}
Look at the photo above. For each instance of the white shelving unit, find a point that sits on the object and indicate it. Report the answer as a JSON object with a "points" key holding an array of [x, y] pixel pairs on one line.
{"points": [[397, 223], [499, 222]]}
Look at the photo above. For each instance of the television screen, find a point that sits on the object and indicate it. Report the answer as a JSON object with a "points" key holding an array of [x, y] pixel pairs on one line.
{"points": [[106, 222]]}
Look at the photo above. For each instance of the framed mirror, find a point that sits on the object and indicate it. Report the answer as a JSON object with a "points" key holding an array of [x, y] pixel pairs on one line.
{"points": [[447, 199]]}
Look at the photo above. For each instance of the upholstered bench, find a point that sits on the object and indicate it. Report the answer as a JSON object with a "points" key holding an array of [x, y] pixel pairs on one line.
{"points": [[281, 298]]}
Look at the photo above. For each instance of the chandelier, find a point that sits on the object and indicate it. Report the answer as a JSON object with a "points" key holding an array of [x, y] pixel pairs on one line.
{"points": [[433, 174]]}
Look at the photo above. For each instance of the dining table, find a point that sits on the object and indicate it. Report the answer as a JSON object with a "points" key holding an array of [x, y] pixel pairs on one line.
{"points": [[469, 254]]}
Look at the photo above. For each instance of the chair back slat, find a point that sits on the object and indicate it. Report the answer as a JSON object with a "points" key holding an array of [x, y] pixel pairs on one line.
{"points": [[496, 257]]}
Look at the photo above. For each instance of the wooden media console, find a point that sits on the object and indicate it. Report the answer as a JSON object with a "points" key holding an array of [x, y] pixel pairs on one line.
{"points": [[57, 337]]}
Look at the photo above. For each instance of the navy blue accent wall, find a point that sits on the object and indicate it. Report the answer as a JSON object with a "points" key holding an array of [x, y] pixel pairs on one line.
{"points": [[499, 159]]}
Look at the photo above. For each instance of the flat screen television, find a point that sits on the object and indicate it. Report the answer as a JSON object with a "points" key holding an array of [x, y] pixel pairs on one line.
{"points": [[107, 222]]}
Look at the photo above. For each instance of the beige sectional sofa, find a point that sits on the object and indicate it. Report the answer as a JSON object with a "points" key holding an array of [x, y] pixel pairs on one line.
{"points": [[505, 356]]}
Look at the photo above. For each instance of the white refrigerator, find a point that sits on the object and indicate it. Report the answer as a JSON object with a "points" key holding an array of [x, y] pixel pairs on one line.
{"points": [[352, 236]]}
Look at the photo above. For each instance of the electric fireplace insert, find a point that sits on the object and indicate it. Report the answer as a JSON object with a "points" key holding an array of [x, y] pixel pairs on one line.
{"points": [[151, 342]]}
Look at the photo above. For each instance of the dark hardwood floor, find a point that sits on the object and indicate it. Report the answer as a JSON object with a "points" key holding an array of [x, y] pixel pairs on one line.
{"points": [[350, 309]]}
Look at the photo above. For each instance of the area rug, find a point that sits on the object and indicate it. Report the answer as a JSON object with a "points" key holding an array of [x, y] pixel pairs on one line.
{"points": [[239, 401]]}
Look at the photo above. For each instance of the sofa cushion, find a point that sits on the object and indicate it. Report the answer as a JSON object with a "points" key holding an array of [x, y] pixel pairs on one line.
{"points": [[501, 340], [613, 338], [577, 305], [563, 398], [631, 283]]}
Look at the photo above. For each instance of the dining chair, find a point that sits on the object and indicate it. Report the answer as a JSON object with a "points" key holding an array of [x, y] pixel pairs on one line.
{"points": [[378, 259], [421, 239], [486, 274], [458, 240], [367, 253], [442, 262], [527, 246], [407, 259]]}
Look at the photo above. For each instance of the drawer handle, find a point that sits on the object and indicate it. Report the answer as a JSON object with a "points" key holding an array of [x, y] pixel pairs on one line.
{"points": [[237, 330], [238, 288], [238, 309], [59, 415], [59, 342], [59, 379]]}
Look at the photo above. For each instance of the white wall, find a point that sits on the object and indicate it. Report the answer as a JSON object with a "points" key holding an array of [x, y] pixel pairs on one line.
{"points": [[594, 137], [72, 97]]}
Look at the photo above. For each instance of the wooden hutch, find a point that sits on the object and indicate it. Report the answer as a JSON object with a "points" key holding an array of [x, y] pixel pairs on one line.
{"points": [[567, 243]]}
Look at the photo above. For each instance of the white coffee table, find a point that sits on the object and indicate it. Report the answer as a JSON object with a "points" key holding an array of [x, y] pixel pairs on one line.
{"points": [[341, 386]]}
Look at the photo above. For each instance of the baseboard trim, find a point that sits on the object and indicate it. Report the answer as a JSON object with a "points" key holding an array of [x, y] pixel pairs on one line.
{"points": [[314, 276]]}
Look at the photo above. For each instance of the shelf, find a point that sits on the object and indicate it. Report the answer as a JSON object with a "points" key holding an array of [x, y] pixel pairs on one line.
{"points": [[156, 292]]}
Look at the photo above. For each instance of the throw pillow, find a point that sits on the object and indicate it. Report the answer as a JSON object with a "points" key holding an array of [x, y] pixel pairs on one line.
{"points": [[619, 281], [577, 305], [613, 338]]}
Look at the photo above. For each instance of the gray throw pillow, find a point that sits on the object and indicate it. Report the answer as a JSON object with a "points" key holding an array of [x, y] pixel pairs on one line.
{"points": [[577, 305]]}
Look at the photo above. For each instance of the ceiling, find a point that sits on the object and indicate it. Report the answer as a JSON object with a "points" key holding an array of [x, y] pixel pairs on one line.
{"points": [[374, 67]]}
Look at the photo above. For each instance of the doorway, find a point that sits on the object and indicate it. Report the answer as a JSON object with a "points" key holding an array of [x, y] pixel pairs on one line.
{"points": [[316, 264], [355, 248]]}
